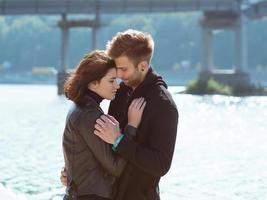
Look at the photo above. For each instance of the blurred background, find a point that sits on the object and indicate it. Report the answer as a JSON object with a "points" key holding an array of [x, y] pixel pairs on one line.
{"points": [[222, 143]]}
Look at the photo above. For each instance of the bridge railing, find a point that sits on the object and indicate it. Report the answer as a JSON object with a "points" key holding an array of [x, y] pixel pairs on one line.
{"points": [[13, 7]]}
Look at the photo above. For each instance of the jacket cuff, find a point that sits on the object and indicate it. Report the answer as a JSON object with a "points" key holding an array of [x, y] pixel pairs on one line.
{"points": [[126, 148], [130, 131]]}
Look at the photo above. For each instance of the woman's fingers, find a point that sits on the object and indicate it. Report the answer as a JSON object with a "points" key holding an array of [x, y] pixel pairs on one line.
{"points": [[106, 119], [131, 105], [99, 128], [134, 102], [135, 111], [101, 122], [137, 103], [63, 177], [99, 134], [143, 106], [113, 119], [140, 103]]}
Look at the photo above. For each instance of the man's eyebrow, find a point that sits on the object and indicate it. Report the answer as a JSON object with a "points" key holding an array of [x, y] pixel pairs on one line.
{"points": [[120, 67]]}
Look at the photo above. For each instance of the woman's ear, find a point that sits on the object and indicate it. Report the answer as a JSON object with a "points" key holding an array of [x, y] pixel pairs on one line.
{"points": [[93, 85]]}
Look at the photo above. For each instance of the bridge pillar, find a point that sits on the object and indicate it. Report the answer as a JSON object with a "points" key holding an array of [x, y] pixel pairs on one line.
{"points": [[207, 54], [62, 73], [95, 28], [240, 47], [65, 25], [94, 38], [224, 20]]}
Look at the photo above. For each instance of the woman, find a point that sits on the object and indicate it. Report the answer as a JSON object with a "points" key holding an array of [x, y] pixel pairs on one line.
{"points": [[91, 165]]}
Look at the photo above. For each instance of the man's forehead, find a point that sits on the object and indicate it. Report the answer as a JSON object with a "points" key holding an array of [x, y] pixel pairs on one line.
{"points": [[122, 60], [121, 66]]}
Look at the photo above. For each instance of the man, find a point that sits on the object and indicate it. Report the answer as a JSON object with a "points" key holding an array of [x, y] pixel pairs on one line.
{"points": [[149, 156]]}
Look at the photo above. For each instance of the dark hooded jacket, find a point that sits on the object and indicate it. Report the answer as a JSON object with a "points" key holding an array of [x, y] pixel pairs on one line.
{"points": [[149, 156], [90, 163]]}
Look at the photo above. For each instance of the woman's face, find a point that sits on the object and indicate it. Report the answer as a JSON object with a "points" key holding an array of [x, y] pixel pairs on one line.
{"points": [[107, 86]]}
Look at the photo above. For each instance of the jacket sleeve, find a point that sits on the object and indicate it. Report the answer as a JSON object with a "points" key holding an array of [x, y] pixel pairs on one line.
{"points": [[102, 151], [130, 131], [155, 157]]}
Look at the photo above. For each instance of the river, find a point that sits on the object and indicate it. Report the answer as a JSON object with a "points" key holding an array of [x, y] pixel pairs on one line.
{"points": [[220, 154]]}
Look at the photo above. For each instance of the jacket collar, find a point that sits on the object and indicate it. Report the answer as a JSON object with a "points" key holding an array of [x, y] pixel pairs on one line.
{"points": [[152, 79], [94, 96], [89, 102]]}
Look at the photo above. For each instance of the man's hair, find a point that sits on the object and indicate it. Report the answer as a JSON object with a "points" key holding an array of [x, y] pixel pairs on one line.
{"points": [[136, 45]]}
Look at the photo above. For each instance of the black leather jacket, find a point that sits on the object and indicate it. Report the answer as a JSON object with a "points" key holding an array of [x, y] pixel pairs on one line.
{"points": [[91, 164]]}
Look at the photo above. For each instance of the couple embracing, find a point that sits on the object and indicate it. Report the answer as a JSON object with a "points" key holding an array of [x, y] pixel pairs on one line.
{"points": [[123, 154]]}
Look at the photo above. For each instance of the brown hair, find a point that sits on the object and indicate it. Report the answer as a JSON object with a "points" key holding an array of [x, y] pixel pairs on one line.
{"points": [[136, 45], [92, 67]]}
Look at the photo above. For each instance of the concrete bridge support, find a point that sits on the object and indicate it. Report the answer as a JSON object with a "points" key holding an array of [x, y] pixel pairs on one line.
{"points": [[207, 55], [62, 73], [226, 20], [65, 25], [240, 47]]}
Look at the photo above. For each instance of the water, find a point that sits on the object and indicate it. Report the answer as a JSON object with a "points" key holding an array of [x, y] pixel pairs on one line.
{"points": [[221, 149]]}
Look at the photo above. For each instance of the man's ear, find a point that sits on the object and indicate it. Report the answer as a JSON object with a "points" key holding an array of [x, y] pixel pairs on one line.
{"points": [[143, 66]]}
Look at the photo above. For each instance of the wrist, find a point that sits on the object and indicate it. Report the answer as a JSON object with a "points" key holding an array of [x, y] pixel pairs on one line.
{"points": [[116, 137], [117, 141], [132, 124]]}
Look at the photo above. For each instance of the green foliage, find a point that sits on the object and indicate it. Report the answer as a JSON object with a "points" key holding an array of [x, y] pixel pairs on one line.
{"points": [[210, 86]]}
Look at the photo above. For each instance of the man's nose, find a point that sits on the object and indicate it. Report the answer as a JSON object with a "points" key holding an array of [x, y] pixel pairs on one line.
{"points": [[119, 74]]}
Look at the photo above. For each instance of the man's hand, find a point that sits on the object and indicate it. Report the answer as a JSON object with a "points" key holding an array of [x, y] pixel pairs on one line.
{"points": [[63, 176], [107, 128], [135, 111]]}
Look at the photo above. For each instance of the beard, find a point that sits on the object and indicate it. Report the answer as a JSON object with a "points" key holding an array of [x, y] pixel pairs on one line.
{"points": [[135, 80]]}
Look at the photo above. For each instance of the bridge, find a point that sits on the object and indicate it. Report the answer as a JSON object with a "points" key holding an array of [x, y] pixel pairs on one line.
{"points": [[217, 14], [257, 10], [52, 7]]}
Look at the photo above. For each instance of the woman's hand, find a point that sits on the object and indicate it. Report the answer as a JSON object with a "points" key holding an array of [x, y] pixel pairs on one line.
{"points": [[135, 111], [107, 128], [63, 176]]}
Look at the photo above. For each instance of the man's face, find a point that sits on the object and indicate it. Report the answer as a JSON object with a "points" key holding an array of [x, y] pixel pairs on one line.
{"points": [[128, 72]]}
